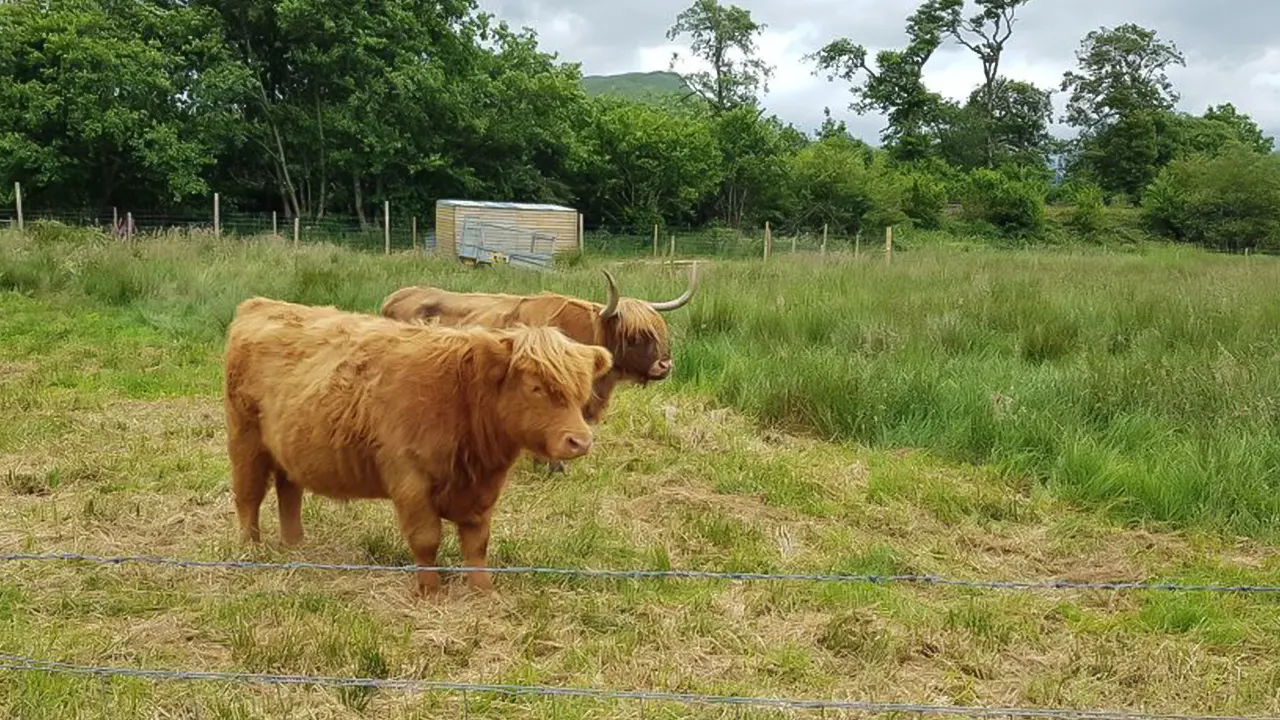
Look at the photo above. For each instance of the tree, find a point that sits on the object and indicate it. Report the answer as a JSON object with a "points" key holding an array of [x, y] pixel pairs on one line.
{"points": [[846, 185], [1121, 71], [985, 34], [1120, 99], [895, 85], [646, 165], [526, 115], [1241, 126], [717, 31], [1008, 123], [94, 110], [754, 154]]}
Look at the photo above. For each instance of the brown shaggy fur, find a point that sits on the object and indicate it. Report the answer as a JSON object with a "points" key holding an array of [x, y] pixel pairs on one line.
{"points": [[349, 405], [636, 336]]}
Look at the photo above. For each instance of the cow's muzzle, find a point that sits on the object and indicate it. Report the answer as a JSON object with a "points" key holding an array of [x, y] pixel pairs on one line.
{"points": [[660, 370], [572, 445]]}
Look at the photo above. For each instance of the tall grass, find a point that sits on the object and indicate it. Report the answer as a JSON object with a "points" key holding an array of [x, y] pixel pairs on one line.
{"points": [[1146, 384]]}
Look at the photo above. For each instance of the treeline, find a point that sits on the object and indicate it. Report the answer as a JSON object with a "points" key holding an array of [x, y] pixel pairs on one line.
{"points": [[311, 107]]}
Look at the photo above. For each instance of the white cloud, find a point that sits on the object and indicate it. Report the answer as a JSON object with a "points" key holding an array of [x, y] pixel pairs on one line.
{"points": [[1232, 56]]}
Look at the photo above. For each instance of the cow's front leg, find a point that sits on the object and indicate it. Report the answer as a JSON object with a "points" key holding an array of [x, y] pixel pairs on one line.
{"points": [[473, 538], [420, 526]]}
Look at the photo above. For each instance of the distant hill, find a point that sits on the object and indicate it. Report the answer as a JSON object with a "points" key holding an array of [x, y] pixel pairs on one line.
{"points": [[636, 85]]}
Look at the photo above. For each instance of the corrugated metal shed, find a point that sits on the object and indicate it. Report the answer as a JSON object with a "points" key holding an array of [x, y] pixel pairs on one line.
{"points": [[558, 221]]}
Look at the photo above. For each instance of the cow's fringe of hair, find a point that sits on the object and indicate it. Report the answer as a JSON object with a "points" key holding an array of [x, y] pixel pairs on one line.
{"points": [[638, 320], [541, 350], [536, 349]]}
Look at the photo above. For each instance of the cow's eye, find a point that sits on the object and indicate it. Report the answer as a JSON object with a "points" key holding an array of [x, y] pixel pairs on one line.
{"points": [[537, 390]]}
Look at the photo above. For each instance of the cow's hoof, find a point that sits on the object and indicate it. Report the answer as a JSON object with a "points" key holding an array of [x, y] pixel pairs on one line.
{"points": [[428, 585]]}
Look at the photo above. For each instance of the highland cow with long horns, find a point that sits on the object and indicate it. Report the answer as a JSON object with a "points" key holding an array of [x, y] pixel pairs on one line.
{"points": [[632, 330]]}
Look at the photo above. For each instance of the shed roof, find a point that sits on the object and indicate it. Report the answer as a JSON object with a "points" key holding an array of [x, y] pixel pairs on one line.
{"points": [[503, 205]]}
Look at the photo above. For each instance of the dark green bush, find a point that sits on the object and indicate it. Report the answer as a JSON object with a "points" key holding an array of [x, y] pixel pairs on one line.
{"points": [[1088, 214], [1014, 206], [1229, 201], [924, 200]]}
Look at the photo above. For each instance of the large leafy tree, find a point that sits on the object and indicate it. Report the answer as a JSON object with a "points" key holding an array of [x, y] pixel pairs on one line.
{"points": [[1120, 98], [1009, 123], [646, 165], [1122, 71], [985, 34], [723, 37], [100, 104], [842, 183], [754, 152], [340, 90], [894, 83]]}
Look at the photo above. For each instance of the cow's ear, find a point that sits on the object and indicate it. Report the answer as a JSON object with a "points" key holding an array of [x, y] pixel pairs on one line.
{"points": [[493, 361], [603, 360], [502, 362]]}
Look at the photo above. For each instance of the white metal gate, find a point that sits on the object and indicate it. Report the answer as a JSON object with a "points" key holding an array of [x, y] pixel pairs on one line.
{"points": [[488, 242]]}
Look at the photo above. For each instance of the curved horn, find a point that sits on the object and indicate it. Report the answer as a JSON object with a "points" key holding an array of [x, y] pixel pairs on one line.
{"points": [[611, 307], [684, 299]]}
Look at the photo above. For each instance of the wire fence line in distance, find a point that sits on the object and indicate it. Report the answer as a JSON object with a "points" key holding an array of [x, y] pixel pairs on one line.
{"points": [[1025, 585], [20, 663]]}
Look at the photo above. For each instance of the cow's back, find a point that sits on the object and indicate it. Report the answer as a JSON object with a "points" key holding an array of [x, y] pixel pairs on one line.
{"points": [[292, 373], [574, 317], [448, 307]]}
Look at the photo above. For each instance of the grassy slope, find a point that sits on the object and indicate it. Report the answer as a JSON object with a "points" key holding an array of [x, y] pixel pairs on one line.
{"points": [[635, 85], [111, 441]]}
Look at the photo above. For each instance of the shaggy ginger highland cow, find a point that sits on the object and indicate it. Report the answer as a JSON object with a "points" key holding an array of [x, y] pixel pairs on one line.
{"points": [[353, 406], [632, 330]]}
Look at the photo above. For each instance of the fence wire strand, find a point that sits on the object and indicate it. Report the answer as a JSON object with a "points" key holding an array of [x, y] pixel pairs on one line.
{"points": [[644, 574], [9, 661]]}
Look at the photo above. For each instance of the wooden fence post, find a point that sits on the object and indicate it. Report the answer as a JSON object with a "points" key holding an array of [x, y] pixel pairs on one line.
{"points": [[768, 239], [581, 239], [672, 255], [824, 238], [275, 226], [793, 243], [115, 220], [655, 240], [386, 227], [17, 198], [414, 223], [297, 230], [888, 243], [128, 226], [857, 243], [217, 216]]}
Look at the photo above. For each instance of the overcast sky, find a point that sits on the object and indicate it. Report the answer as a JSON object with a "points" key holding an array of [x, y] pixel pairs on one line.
{"points": [[1232, 50]]}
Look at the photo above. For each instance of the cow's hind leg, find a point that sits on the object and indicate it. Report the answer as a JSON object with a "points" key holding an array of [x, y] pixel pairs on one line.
{"points": [[289, 498], [473, 538], [420, 526], [250, 479]]}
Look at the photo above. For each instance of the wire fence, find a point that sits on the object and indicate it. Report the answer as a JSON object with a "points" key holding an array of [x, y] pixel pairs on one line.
{"points": [[9, 661], [350, 232], [21, 663], [412, 229], [647, 574]]}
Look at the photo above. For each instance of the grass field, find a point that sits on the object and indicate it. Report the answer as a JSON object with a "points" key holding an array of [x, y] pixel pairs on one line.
{"points": [[977, 414]]}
